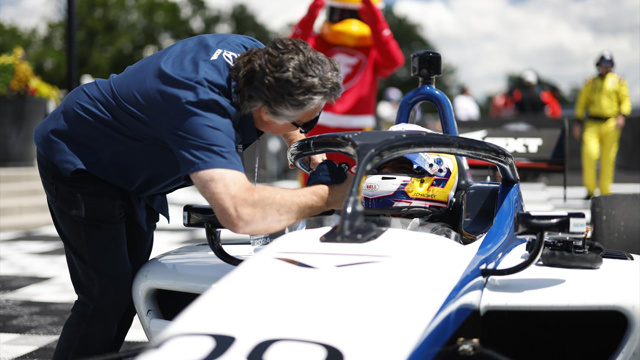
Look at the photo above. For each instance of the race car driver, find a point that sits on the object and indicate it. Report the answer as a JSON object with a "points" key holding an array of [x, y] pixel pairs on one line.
{"points": [[115, 147], [415, 181], [355, 34]]}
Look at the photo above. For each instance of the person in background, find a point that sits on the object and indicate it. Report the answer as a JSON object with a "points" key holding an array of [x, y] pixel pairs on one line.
{"points": [[601, 110], [465, 106], [356, 35], [531, 99], [387, 108], [113, 149], [502, 106]]}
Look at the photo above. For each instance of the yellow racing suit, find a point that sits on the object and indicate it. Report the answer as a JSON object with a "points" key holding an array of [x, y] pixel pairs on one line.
{"points": [[601, 99]]}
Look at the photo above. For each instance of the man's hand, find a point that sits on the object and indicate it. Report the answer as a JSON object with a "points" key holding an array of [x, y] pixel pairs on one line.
{"points": [[312, 161], [338, 193], [316, 160], [576, 130], [293, 136], [327, 173], [337, 178], [620, 121], [290, 138]]}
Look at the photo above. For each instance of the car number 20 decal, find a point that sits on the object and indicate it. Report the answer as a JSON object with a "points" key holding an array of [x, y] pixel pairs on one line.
{"points": [[213, 346]]}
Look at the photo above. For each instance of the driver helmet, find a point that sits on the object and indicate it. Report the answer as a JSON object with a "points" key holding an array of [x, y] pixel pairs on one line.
{"points": [[343, 26], [426, 180]]}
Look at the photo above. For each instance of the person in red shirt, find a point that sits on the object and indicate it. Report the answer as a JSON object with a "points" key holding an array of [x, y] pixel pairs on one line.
{"points": [[356, 35], [532, 100]]}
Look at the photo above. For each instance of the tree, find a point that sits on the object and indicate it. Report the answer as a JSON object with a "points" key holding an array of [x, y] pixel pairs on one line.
{"points": [[11, 36], [244, 22], [47, 54], [113, 34]]}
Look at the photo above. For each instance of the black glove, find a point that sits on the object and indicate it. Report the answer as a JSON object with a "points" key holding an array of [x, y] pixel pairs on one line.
{"points": [[327, 173]]}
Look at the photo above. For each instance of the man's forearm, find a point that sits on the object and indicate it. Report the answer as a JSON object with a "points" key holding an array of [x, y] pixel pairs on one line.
{"points": [[247, 209], [279, 208]]}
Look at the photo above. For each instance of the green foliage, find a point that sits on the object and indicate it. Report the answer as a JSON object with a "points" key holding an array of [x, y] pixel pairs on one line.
{"points": [[6, 75], [11, 36], [113, 34], [244, 22], [47, 54]]}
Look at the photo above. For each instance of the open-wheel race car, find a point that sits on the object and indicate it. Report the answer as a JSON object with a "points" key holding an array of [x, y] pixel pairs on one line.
{"points": [[421, 263]]}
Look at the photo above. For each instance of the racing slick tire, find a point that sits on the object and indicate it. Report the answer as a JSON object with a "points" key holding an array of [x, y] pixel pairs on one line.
{"points": [[616, 221]]}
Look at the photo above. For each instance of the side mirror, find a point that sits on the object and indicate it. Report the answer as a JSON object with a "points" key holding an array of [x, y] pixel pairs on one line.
{"points": [[199, 215], [202, 216]]}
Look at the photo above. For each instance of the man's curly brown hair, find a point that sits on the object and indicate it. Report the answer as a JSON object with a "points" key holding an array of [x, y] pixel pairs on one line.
{"points": [[287, 77]]}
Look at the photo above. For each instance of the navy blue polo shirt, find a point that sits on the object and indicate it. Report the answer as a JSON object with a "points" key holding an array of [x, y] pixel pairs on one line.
{"points": [[146, 129]]}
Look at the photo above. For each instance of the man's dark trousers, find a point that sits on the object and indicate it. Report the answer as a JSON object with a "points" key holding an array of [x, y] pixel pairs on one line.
{"points": [[108, 235]]}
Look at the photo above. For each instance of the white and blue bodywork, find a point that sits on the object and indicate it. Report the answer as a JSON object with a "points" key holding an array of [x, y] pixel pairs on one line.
{"points": [[362, 285]]}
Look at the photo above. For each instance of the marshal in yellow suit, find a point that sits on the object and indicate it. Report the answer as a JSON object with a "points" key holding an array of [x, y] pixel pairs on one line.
{"points": [[604, 103]]}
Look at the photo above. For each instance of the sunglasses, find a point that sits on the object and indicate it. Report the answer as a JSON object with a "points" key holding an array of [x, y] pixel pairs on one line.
{"points": [[309, 125]]}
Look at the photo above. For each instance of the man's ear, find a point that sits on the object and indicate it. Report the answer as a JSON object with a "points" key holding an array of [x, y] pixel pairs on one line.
{"points": [[264, 114], [260, 117]]}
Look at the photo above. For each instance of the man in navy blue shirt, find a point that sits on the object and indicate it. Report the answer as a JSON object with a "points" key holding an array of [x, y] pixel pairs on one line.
{"points": [[114, 148]]}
